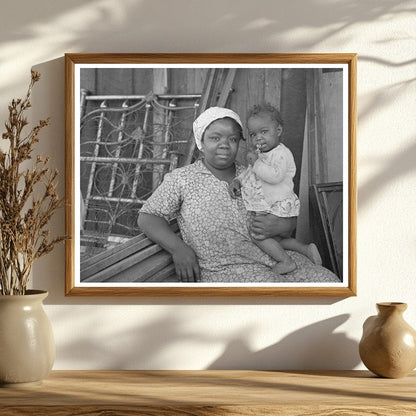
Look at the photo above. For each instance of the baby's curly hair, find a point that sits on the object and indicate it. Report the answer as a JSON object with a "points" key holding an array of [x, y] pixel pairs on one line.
{"points": [[266, 108]]}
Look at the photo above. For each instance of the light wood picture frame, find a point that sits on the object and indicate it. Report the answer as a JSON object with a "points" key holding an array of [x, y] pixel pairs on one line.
{"points": [[129, 121]]}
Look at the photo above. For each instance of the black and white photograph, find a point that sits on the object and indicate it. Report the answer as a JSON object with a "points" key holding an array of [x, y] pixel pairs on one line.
{"points": [[202, 176]]}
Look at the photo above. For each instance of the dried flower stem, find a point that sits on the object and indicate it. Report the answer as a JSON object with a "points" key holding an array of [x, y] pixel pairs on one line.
{"points": [[23, 218]]}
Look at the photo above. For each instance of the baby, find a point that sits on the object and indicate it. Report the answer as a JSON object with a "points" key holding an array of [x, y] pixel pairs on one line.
{"points": [[266, 186]]}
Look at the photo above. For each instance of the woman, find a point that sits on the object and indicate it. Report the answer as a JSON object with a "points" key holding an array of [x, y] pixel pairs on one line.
{"points": [[216, 245]]}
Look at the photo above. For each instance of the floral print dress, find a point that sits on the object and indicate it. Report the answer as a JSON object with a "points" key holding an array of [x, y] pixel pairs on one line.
{"points": [[216, 227]]}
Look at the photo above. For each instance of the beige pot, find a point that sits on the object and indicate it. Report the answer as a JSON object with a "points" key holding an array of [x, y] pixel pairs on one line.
{"points": [[27, 346], [388, 345]]}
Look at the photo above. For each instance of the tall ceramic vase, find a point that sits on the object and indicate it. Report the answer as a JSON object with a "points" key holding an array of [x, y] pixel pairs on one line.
{"points": [[27, 347], [388, 345]]}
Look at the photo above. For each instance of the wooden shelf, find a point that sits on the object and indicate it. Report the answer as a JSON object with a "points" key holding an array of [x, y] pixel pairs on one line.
{"points": [[204, 393]]}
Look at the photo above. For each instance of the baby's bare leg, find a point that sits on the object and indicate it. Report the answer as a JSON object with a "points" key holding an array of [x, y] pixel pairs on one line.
{"points": [[275, 250], [308, 250]]}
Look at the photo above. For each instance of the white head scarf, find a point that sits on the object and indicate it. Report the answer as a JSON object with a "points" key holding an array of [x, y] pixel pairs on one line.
{"points": [[207, 117]]}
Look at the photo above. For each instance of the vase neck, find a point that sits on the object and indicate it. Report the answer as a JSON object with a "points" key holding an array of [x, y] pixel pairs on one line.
{"points": [[390, 308]]}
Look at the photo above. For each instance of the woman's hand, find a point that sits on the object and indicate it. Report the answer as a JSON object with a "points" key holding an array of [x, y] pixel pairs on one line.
{"points": [[158, 230], [251, 157], [268, 225], [186, 264]]}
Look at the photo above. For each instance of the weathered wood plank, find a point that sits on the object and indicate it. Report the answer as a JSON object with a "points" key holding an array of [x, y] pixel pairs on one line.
{"points": [[273, 87], [226, 88], [109, 257], [115, 272], [313, 173], [175, 410], [293, 110], [255, 87], [142, 80], [332, 104], [114, 81], [167, 274], [203, 393], [88, 79], [144, 269]]}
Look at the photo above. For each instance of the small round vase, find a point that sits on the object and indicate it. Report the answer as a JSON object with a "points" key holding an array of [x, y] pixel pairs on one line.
{"points": [[27, 346], [388, 345]]}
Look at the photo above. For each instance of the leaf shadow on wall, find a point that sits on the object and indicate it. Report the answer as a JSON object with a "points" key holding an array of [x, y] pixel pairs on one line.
{"points": [[316, 346], [143, 346], [395, 168], [145, 21], [402, 163], [105, 26], [153, 344]]}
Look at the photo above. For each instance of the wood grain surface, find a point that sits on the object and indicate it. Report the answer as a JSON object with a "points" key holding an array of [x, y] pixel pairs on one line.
{"points": [[204, 393]]}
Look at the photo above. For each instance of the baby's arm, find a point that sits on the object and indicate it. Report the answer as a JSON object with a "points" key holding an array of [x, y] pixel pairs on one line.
{"points": [[270, 172], [158, 230]]}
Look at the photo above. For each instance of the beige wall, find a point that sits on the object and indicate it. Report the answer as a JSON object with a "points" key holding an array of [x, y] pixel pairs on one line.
{"points": [[198, 333]]}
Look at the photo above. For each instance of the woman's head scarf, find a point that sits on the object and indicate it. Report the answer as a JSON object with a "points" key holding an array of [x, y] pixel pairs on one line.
{"points": [[209, 116]]}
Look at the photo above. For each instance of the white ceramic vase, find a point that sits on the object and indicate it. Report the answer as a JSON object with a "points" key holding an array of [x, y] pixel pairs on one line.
{"points": [[27, 346]]}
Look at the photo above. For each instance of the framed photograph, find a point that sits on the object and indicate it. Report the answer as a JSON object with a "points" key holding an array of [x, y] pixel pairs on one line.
{"points": [[211, 174]]}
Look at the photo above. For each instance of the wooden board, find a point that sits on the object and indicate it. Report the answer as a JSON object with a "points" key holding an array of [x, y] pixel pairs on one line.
{"points": [[203, 393]]}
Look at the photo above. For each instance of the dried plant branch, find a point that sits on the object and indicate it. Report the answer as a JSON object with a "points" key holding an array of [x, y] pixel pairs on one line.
{"points": [[24, 217]]}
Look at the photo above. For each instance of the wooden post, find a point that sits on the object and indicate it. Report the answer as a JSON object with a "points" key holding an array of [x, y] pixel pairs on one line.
{"points": [[320, 116], [160, 86]]}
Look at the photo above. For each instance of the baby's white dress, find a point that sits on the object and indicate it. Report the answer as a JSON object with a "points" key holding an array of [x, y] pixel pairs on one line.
{"points": [[267, 186]]}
